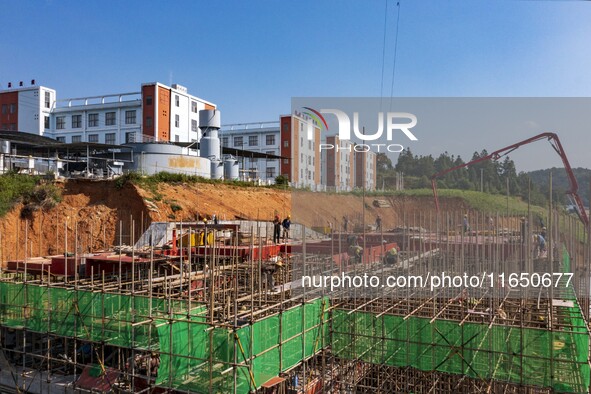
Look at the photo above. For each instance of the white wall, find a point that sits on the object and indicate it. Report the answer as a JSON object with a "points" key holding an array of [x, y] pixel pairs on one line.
{"points": [[120, 128], [261, 164], [32, 110]]}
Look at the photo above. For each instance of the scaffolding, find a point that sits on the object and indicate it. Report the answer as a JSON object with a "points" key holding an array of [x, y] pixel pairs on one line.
{"points": [[210, 318]]}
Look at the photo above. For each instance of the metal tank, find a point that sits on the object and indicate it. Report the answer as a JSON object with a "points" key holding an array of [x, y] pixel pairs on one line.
{"points": [[4, 147], [231, 169], [209, 123], [217, 168]]}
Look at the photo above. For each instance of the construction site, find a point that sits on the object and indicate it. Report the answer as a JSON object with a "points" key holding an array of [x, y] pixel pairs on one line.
{"points": [[216, 306]]}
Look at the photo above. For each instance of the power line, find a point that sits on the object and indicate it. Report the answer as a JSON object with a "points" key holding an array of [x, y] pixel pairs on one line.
{"points": [[395, 50], [384, 52]]}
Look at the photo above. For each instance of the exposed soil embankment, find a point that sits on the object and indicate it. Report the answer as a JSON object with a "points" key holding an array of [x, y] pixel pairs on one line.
{"points": [[98, 214]]}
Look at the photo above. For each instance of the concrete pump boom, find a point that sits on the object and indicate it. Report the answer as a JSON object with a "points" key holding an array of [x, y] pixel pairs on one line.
{"points": [[554, 142]]}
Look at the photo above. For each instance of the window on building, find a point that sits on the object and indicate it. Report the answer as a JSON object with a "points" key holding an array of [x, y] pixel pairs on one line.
{"points": [[285, 126], [12, 126], [310, 145], [253, 140], [76, 138], [93, 120], [270, 139], [301, 141], [285, 161], [286, 143], [129, 137], [93, 138], [149, 121], [225, 141], [177, 120], [111, 138], [194, 106], [60, 122], [148, 100], [4, 109], [47, 99], [271, 172], [130, 117], [193, 125], [60, 139], [270, 152], [238, 141], [46, 122], [176, 138], [177, 101], [76, 121], [12, 108], [253, 160], [110, 118]]}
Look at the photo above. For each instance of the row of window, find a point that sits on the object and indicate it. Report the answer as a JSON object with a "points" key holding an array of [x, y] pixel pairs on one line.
{"points": [[177, 102], [110, 138], [254, 159], [253, 140], [93, 120], [269, 172]]}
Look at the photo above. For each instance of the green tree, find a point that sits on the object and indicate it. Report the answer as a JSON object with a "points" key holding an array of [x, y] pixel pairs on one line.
{"points": [[406, 163]]}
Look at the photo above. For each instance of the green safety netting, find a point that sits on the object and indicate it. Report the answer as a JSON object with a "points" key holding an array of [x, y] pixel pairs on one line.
{"points": [[186, 345], [86, 315], [269, 346], [511, 354], [196, 357], [518, 355]]}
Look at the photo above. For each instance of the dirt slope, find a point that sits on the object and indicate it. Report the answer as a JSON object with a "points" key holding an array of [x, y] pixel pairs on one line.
{"points": [[98, 214]]}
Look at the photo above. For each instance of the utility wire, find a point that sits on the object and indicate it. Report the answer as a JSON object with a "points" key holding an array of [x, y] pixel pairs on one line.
{"points": [[395, 52], [384, 53]]}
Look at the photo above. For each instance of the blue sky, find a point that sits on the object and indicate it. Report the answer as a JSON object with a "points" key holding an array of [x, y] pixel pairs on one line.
{"points": [[251, 57]]}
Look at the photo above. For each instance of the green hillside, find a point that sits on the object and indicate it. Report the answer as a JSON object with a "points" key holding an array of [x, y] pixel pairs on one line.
{"points": [[560, 182]]}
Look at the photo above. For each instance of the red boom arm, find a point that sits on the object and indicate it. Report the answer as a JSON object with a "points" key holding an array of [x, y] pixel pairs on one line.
{"points": [[554, 141]]}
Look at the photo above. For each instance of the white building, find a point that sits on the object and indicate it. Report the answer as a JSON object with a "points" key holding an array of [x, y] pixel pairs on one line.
{"points": [[288, 138], [156, 113], [260, 137], [27, 108]]}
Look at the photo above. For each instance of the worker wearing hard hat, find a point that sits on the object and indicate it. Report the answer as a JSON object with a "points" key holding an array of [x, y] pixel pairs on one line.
{"points": [[391, 257], [286, 224], [269, 269]]}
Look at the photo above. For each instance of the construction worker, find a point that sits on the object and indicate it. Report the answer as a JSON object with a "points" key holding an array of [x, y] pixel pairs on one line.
{"points": [[466, 224], [345, 223], [378, 223], [391, 257], [355, 251], [286, 224], [269, 269], [276, 229], [154, 363], [539, 246]]}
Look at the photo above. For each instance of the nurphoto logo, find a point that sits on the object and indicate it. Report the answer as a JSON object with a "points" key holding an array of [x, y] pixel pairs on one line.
{"points": [[394, 121]]}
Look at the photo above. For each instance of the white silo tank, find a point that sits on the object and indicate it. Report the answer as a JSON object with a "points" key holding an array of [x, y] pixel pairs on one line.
{"points": [[217, 168], [209, 123], [231, 168]]}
